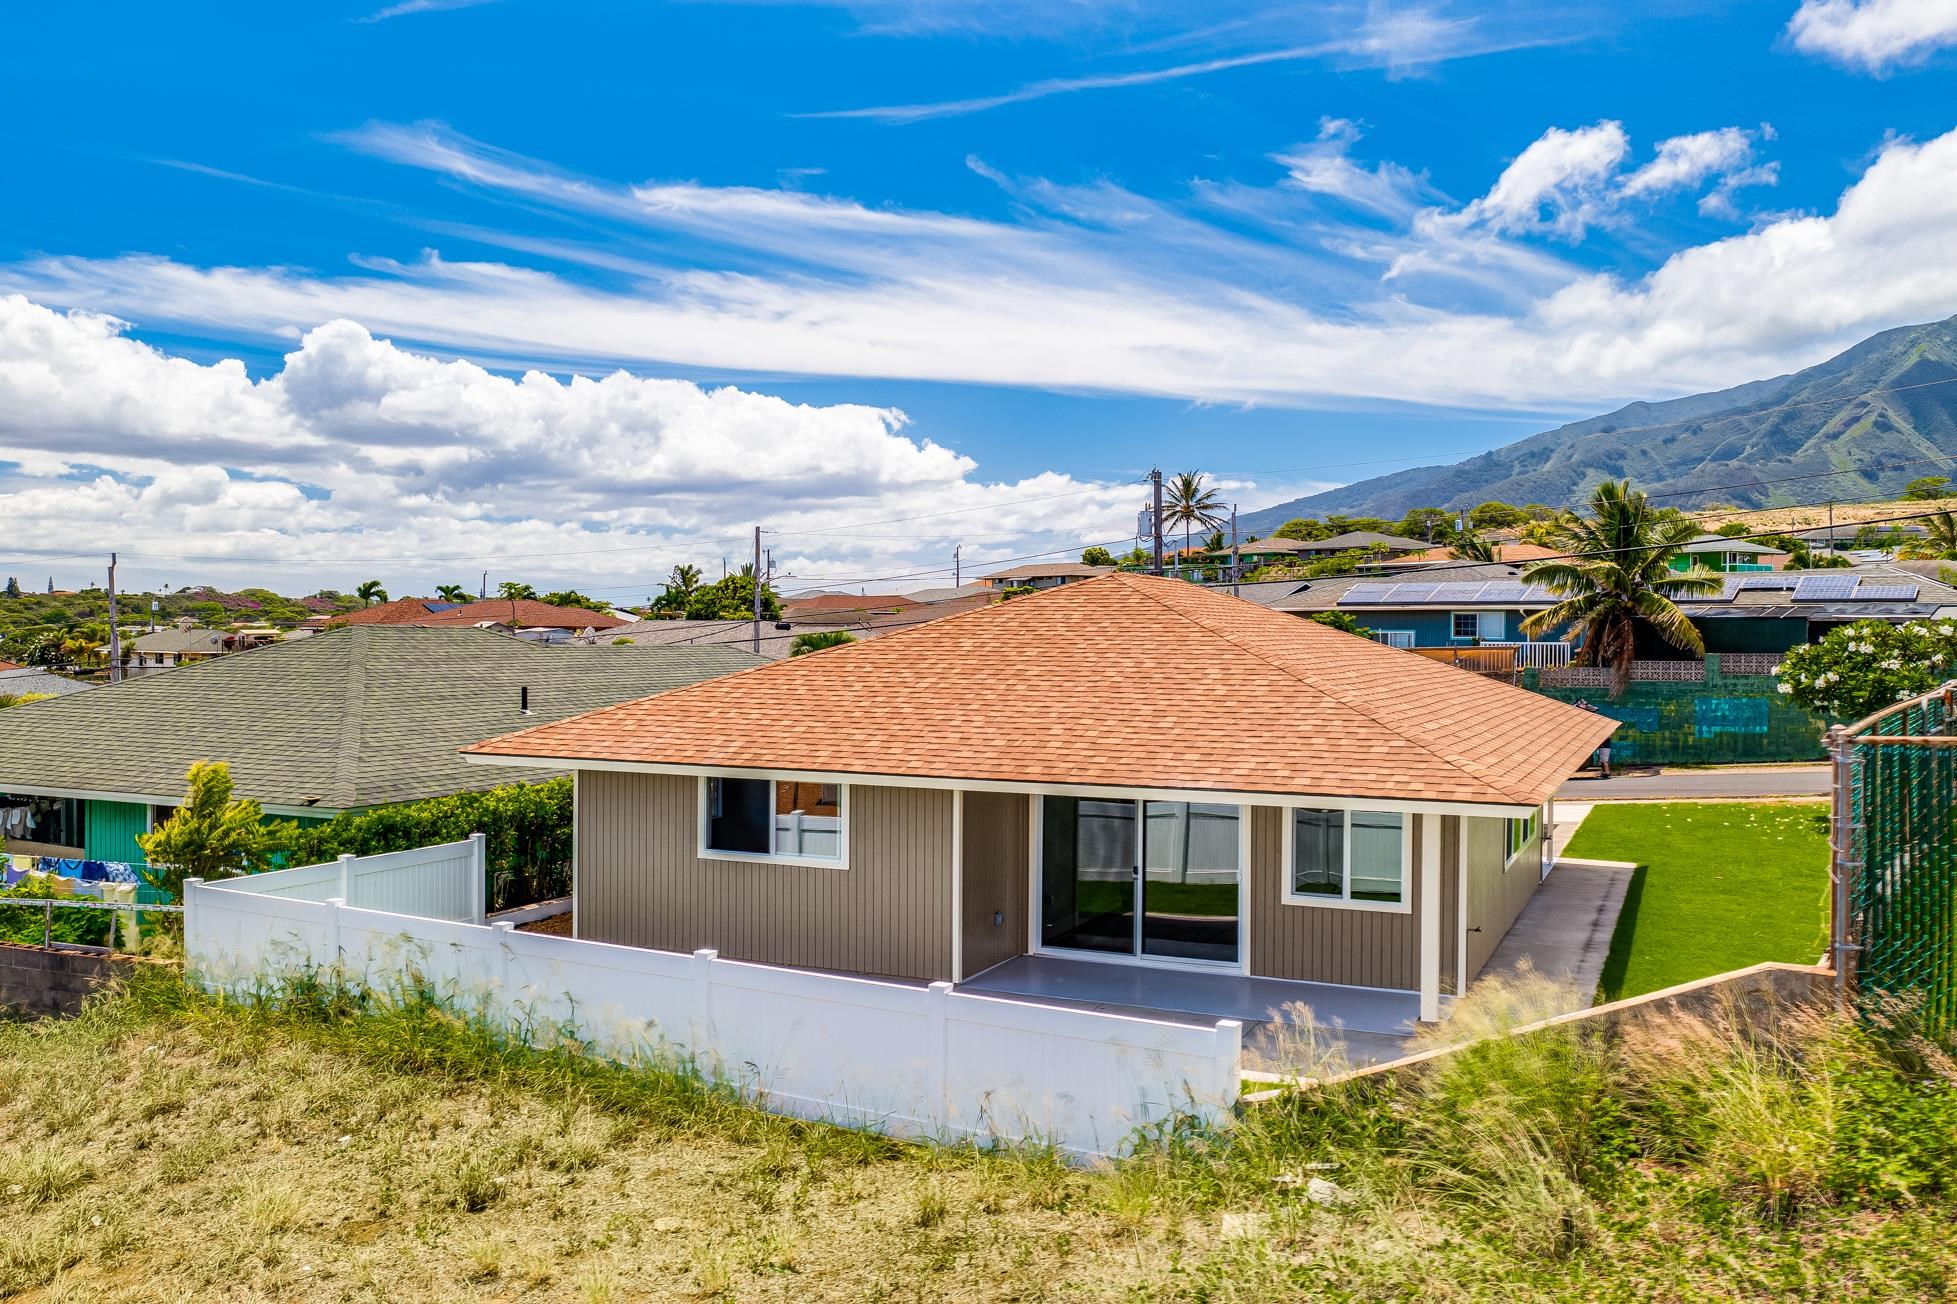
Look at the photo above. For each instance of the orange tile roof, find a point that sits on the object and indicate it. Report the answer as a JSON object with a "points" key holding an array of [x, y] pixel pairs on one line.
{"points": [[1504, 552], [1126, 681], [521, 613], [828, 603]]}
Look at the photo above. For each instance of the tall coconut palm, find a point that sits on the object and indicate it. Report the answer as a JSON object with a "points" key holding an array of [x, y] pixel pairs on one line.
{"points": [[1189, 500], [370, 592], [1472, 546], [1617, 577], [1939, 542], [452, 593]]}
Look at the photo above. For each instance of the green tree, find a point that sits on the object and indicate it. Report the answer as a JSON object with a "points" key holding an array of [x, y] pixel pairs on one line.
{"points": [[681, 584], [816, 640], [1618, 578], [370, 592], [1926, 487], [1016, 591], [13, 587], [1189, 501], [515, 591], [1342, 621], [1474, 546], [1097, 556], [1304, 529], [211, 836], [1734, 530], [732, 598], [1939, 542], [453, 593], [1858, 669], [1430, 523], [572, 598], [1497, 515], [22, 699]]}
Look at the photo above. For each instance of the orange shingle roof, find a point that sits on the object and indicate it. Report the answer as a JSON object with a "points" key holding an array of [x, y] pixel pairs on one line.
{"points": [[1126, 681]]}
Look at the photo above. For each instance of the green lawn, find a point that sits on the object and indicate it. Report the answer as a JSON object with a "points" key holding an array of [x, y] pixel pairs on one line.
{"points": [[1720, 885]]}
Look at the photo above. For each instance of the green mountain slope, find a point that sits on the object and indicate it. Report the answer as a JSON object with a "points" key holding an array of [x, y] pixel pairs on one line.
{"points": [[1891, 399]]}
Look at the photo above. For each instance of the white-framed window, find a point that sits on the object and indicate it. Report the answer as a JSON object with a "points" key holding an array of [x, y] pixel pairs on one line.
{"points": [[1520, 834], [1400, 638], [1355, 859], [780, 821], [1470, 625]]}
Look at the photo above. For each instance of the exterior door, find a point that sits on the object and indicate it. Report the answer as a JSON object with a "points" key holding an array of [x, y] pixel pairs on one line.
{"points": [[1151, 880]]}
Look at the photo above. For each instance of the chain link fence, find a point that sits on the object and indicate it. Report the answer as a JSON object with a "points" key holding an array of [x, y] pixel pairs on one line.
{"points": [[1894, 850]]}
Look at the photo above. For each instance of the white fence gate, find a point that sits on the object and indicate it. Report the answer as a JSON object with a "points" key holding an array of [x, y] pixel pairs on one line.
{"points": [[907, 1059]]}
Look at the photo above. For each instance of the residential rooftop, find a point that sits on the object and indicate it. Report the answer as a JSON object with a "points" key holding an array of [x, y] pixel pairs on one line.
{"points": [[361, 716], [516, 613], [1126, 681]]}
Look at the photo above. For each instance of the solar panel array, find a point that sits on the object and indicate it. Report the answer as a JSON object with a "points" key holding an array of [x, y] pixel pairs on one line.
{"points": [[1457, 594], [1826, 588], [1886, 592], [1776, 581]]}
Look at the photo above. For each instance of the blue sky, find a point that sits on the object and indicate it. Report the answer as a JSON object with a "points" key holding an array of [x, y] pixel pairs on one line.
{"points": [[967, 268]]}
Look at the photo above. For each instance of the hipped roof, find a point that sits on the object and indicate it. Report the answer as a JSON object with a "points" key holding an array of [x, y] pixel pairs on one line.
{"points": [[1127, 681]]}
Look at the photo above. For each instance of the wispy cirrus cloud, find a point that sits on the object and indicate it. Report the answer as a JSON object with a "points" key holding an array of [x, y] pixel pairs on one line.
{"points": [[406, 7], [1397, 40]]}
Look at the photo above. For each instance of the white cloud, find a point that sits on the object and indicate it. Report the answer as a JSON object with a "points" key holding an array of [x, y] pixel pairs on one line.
{"points": [[406, 7], [1685, 161], [1325, 167], [1103, 290], [1557, 183], [1874, 35], [360, 456]]}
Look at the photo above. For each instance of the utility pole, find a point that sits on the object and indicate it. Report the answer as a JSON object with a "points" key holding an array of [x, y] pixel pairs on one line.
{"points": [[757, 590], [957, 575], [115, 634], [1155, 514], [1831, 527], [483, 592], [1236, 562]]}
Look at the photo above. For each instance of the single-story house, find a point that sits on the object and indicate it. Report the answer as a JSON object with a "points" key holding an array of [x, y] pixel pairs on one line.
{"points": [[1719, 553], [511, 613], [1771, 611], [163, 648], [1510, 552], [1362, 541], [1464, 606], [1043, 575], [778, 636], [1131, 781], [350, 718], [843, 605]]}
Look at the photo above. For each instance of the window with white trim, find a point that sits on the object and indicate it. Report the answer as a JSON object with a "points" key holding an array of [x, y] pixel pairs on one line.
{"points": [[1470, 625], [1347, 857], [771, 819], [1521, 833]]}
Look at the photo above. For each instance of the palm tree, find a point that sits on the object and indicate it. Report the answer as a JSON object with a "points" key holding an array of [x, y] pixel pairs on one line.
{"points": [[1188, 499], [683, 579], [515, 591], [1472, 546], [370, 592], [452, 593], [1618, 575], [1939, 542]]}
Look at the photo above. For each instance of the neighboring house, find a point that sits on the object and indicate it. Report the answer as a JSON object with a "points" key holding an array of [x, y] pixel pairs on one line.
{"points": [[1043, 575], [1468, 604], [778, 636], [1719, 553], [1132, 782], [181, 646], [517, 614], [1361, 541], [1774, 611], [346, 719], [18, 681], [842, 605], [1511, 553]]}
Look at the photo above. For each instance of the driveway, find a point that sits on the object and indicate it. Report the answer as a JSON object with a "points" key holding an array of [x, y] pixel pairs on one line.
{"points": [[1691, 785]]}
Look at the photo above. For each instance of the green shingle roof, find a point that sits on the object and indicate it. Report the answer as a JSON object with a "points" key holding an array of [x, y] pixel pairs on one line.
{"points": [[362, 716]]}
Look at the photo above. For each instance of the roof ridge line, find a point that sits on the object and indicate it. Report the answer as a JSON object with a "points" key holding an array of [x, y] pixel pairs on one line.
{"points": [[1294, 675], [353, 714]]}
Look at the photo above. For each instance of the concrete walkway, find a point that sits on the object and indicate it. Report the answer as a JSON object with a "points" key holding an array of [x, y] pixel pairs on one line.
{"points": [[1689, 785], [1565, 930]]}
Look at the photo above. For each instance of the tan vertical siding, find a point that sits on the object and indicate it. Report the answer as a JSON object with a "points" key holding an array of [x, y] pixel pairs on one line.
{"points": [[1365, 948], [1497, 891], [1450, 903], [641, 881], [998, 842]]}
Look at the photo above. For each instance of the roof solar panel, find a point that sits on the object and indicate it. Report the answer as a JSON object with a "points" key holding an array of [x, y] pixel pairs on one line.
{"points": [[1885, 593], [1502, 591], [1363, 593], [1770, 581], [1413, 592], [1458, 592], [1825, 588]]}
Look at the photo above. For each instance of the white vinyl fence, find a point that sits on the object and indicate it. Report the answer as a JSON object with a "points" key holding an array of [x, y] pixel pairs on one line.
{"points": [[907, 1059], [449, 881]]}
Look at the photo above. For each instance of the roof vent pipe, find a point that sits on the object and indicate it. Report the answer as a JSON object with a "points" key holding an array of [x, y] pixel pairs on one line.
{"points": [[523, 700]]}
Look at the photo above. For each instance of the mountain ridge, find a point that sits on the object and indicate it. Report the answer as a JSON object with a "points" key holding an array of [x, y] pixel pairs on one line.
{"points": [[1889, 400]]}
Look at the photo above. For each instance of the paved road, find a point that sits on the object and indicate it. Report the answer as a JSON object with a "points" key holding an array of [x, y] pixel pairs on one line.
{"points": [[1782, 781]]}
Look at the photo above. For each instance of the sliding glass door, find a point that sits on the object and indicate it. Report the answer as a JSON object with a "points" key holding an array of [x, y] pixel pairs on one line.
{"points": [[1149, 879]]}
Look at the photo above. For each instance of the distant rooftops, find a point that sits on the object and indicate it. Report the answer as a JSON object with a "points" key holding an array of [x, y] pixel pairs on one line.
{"points": [[517, 613]]}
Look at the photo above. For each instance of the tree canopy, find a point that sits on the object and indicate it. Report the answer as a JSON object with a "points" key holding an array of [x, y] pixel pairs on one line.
{"points": [[1858, 669], [211, 836]]}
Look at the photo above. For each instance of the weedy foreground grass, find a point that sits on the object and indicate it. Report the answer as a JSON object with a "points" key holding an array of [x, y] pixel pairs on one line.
{"points": [[167, 1146]]}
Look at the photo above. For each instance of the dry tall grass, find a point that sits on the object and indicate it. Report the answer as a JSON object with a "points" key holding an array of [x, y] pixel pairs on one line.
{"points": [[167, 1147]]}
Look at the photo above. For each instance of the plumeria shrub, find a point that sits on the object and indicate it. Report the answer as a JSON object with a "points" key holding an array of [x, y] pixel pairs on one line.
{"points": [[1859, 669]]}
